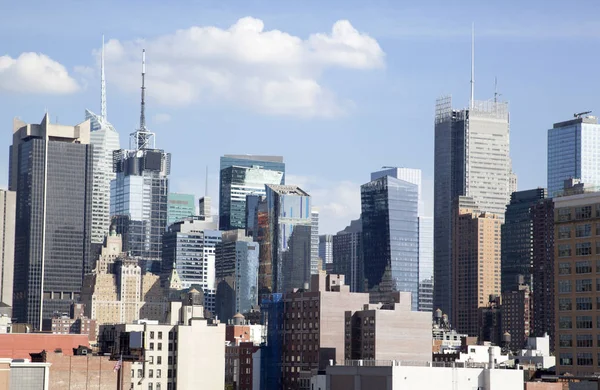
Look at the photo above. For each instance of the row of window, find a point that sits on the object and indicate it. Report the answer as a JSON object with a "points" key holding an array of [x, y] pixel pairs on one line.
{"points": [[581, 322], [583, 359]]}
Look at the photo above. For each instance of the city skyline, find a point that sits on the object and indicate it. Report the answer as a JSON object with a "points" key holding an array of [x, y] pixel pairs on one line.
{"points": [[382, 91]]}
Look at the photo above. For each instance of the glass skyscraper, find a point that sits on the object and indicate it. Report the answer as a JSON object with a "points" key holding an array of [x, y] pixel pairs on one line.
{"points": [[347, 255], [180, 207], [574, 152], [471, 159], [390, 224], [51, 170], [242, 175]]}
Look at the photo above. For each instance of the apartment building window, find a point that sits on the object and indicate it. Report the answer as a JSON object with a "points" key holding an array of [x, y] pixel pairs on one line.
{"points": [[584, 303], [584, 322], [564, 214], [159, 372], [583, 212], [160, 335], [151, 335], [583, 285], [151, 359], [564, 250], [584, 359], [566, 340], [564, 286], [159, 360], [159, 346], [158, 386], [140, 372], [564, 268], [566, 359], [565, 323], [583, 267], [584, 230], [585, 341], [169, 373], [151, 347], [150, 373], [149, 386], [583, 249], [564, 304], [564, 232]]}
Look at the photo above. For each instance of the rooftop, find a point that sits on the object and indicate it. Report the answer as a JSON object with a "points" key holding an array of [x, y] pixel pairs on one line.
{"points": [[287, 190]]}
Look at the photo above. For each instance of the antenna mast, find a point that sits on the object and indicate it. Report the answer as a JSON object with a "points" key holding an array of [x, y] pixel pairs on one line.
{"points": [[102, 85], [142, 138], [143, 108], [472, 100]]}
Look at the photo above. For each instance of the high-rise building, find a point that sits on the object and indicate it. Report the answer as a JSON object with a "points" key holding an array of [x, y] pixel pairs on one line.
{"points": [[426, 294], [51, 170], [543, 269], [7, 246], [242, 175], [390, 240], [283, 231], [189, 248], [425, 263], [516, 316], [180, 207], [204, 207], [139, 193], [410, 175], [105, 140], [475, 263], [576, 220], [347, 255], [471, 159], [315, 263], [236, 272], [326, 248], [572, 152], [517, 238]]}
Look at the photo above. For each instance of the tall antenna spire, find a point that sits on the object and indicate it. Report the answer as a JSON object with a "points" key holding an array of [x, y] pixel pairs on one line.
{"points": [[102, 85], [472, 100], [143, 108]]}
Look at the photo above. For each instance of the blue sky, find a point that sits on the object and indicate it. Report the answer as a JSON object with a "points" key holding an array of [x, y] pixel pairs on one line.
{"points": [[336, 105]]}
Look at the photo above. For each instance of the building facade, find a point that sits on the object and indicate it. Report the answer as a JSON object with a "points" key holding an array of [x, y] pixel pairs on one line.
{"points": [[236, 272], [7, 246], [475, 263], [572, 153], [471, 159], [517, 318], [426, 263], [326, 248], [517, 238], [242, 175], [347, 255], [316, 262], [390, 235], [426, 295], [51, 170], [180, 207]]}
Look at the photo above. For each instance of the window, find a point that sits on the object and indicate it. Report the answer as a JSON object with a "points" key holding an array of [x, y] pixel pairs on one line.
{"points": [[159, 373], [566, 359], [160, 335], [584, 303], [151, 359], [158, 386], [159, 346], [585, 341], [149, 386], [151, 335], [584, 359], [584, 322], [564, 268], [564, 286], [583, 267], [583, 212], [169, 373], [564, 214], [583, 249], [564, 232], [564, 250], [583, 285], [151, 347], [170, 360], [566, 340], [565, 323], [583, 230], [564, 304], [150, 373], [159, 360], [140, 373]]}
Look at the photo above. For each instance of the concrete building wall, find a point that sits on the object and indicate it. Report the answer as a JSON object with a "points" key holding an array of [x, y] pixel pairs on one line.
{"points": [[402, 335], [7, 245], [85, 372]]}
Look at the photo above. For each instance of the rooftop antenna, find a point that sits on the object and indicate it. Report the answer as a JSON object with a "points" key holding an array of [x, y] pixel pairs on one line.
{"points": [[143, 108], [495, 89], [102, 84], [142, 138], [472, 66]]}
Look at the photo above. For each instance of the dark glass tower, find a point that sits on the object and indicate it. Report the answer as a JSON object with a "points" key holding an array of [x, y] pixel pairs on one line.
{"points": [[517, 238], [390, 238], [242, 175], [51, 170]]}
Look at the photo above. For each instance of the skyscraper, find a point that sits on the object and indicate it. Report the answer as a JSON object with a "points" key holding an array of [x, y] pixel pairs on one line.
{"points": [[7, 245], [138, 194], [238, 181], [543, 269], [573, 152], [471, 159], [390, 240], [347, 255], [284, 234], [314, 242], [517, 238], [105, 140], [51, 170], [180, 207], [326, 250]]}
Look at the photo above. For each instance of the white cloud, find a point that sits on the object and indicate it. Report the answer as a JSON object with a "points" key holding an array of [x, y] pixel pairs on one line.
{"points": [[270, 71], [338, 201], [35, 73], [161, 118]]}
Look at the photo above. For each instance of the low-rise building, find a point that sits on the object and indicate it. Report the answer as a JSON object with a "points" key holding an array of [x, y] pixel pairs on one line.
{"points": [[21, 345], [23, 374], [74, 322]]}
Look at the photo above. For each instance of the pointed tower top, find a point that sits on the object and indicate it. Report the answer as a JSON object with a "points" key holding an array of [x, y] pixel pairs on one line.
{"points": [[472, 99], [102, 85], [143, 108]]}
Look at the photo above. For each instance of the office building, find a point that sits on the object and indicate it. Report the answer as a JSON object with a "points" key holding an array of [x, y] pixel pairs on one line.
{"points": [[517, 238], [572, 146], [7, 246], [242, 175], [185, 352], [543, 269], [315, 263], [471, 159], [576, 219], [105, 141], [390, 235], [326, 248], [490, 321], [204, 207], [189, 249], [425, 263], [51, 170], [475, 263], [236, 272], [517, 318], [347, 255], [388, 332], [138, 194], [117, 291], [180, 207], [426, 295], [283, 231]]}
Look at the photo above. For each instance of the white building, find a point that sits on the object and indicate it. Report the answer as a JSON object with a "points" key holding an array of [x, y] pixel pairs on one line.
{"points": [[537, 353], [483, 354]]}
